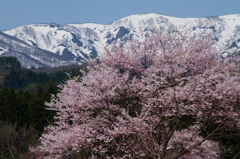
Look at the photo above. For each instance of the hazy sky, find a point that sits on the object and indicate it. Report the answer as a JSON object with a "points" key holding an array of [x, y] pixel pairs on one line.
{"points": [[14, 13]]}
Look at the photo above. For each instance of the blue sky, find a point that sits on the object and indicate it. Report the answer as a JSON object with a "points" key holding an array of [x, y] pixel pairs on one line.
{"points": [[14, 13]]}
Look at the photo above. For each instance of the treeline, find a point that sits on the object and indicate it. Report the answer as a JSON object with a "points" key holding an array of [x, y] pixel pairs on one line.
{"points": [[19, 78], [25, 108], [23, 114], [9, 63]]}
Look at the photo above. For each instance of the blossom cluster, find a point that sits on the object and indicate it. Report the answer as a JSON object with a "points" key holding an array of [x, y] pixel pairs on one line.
{"points": [[133, 104]]}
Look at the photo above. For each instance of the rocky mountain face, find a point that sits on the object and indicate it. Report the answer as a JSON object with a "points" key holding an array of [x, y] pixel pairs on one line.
{"points": [[56, 45]]}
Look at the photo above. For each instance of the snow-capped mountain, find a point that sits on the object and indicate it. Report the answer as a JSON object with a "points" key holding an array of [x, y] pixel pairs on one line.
{"points": [[54, 45]]}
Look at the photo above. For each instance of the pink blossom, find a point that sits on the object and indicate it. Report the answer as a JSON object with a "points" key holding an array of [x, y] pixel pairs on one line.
{"points": [[132, 105]]}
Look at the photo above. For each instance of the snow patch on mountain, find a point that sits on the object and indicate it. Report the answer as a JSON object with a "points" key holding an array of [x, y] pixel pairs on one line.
{"points": [[77, 43]]}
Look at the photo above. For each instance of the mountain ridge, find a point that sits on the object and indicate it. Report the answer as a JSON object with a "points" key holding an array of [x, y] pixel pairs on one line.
{"points": [[77, 43]]}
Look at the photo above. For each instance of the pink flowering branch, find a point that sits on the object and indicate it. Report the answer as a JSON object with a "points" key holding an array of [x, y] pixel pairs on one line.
{"points": [[135, 102]]}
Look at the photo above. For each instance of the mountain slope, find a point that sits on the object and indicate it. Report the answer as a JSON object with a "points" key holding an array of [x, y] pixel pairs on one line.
{"points": [[28, 55], [76, 43]]}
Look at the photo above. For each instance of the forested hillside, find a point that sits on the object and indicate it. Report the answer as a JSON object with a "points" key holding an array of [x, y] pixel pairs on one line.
{"points": [[23, 114]]}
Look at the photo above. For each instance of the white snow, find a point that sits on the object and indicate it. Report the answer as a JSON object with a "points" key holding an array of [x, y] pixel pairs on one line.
{"points": [[55, 38], [2, 50]]}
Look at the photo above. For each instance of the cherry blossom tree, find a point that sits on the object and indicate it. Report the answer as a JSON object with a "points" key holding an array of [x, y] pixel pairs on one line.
{"points": [[167, 96]]}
